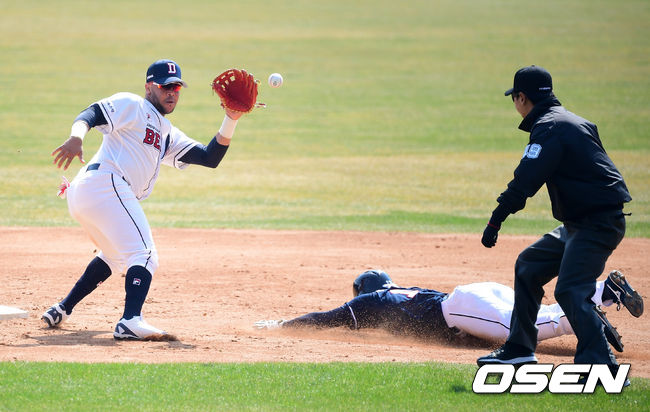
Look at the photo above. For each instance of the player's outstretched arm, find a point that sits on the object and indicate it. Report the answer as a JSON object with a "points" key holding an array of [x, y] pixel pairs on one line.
{"points": [[71, 148], [212, 154], [237, 90], [334, 318], [228, 126]]}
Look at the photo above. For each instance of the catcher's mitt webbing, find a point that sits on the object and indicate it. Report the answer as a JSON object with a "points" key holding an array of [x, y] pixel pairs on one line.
{"points": [[237, 90]]}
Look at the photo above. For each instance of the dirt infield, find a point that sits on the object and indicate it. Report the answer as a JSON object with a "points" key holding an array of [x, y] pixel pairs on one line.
{"points": [[212, 285]]}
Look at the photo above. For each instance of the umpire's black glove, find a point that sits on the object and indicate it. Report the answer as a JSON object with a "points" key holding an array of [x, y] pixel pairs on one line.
{"points": [[490, 235]]}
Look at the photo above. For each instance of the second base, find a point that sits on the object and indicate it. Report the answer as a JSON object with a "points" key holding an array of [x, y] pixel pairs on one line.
{"points": [[9, 312]]}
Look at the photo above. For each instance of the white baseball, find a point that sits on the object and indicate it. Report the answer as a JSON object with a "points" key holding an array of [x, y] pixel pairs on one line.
{"points": [[275, 80]]}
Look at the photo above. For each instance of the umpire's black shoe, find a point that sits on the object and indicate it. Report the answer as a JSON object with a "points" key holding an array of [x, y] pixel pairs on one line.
{"points": [[619, 290], [611, 333], [510, 354]]}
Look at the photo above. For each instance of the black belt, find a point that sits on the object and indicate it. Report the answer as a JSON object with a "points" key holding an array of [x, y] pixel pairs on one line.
{"points": [[95, 166]]}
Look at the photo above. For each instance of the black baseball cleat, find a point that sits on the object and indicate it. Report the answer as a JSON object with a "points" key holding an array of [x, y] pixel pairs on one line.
{"points": [[509, 354], [611, 333], [618, 289]]}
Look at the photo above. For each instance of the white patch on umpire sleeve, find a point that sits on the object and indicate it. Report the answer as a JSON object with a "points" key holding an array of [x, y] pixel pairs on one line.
{"points": [[532, 151]]}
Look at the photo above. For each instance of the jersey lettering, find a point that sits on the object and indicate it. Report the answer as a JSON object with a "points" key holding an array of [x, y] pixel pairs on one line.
{"points": [[152, 138], [409, 293]]}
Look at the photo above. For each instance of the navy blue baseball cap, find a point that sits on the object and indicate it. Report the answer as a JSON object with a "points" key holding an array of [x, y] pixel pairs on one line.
{"points": [[164, 72], [534, 81]]}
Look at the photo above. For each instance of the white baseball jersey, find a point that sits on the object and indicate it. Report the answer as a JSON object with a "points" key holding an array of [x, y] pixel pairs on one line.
{"points": [[484, 310], [137, 139], [105, 198]]}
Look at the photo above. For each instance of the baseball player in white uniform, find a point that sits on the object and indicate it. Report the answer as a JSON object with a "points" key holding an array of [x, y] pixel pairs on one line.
{"points": [[481, 309], [105, 195]]}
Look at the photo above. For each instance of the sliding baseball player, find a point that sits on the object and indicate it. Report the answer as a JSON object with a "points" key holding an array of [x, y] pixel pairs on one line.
{"points": [[482, 310]]}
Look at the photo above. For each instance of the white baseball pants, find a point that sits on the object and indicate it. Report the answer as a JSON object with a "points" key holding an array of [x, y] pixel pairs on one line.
{"points": [[105, 206], [484, 310]]}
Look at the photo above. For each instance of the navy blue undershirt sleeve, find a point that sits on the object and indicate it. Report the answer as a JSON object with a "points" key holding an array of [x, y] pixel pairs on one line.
{"points": [[93, 116], [340, 316], [209, 156]]}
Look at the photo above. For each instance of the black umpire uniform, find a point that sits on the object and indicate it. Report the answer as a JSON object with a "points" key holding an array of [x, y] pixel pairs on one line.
{"points": [[587, 195]]}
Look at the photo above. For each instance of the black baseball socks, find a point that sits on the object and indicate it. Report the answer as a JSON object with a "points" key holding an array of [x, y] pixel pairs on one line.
{"points": [[96, 272], [136, 284]]}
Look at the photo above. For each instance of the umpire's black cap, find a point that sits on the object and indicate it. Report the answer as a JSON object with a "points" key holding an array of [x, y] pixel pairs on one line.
{"points": [[534, 81], [165, 71]]}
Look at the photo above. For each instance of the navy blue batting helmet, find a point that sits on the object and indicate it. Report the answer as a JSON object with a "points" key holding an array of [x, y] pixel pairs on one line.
{"points": [[370, 281]]}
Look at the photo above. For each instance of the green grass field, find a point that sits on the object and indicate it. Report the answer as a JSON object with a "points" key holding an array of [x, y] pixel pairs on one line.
{"points": [[278, 387], [392, 117]]}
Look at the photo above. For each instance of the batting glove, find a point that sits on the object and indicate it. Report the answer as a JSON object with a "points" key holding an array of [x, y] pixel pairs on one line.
{"points": [[268, 324]]}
